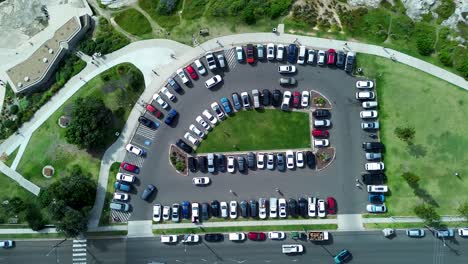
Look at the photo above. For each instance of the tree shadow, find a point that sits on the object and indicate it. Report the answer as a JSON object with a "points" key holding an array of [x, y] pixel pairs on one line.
{"points": [[423, 194], [417, 150]]}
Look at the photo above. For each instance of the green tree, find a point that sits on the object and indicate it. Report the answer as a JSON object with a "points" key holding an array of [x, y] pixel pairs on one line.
{"points": [[90, 121], [428, 214], [34, 217], [73, 223], [405, 133], [16, 205], [463, 210]]}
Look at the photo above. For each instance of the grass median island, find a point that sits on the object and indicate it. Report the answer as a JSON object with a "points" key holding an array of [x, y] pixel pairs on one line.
{"points": [[437, 112], [259, 130], [105, 216], [134, 22], [119, 88]]}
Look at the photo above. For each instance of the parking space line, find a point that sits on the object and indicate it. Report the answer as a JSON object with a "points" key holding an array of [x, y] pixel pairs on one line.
{"points": [[230, 55], [133, 159], [145, 132], [120, 217]]}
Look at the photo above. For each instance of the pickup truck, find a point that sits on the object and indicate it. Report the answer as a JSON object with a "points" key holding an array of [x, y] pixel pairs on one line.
{"points": [[318, 235]]}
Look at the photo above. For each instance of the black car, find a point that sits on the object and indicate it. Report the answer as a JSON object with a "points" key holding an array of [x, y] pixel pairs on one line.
{"points": [[214, 237], [181, 144], [372, 146], [321, 113], [221, 162], [202, 163], [244, 208], [241, 163], [341, 59], [373, 178], [192, 164], [148, 192], [292, 207], [253, 208], [148, 123], [174, 85], [310, 159], [277, 98], [266, 97], [302, 207], [280, 162], [292, 53], [205, 211], [251, 160], [215, 208]]}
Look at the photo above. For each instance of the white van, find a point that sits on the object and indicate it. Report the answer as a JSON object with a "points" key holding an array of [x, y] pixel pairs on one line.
{"points": [[302, 55], [273, 207], [296, 248], [236, 236], [169, 239]]}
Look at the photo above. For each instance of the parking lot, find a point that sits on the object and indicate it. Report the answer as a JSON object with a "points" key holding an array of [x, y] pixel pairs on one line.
{"points": [[337, 180]]}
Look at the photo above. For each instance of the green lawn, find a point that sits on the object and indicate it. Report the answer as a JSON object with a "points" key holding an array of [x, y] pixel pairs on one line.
{"points": [[105, 216], [11, 158], [259, 130], [48, 144], [437, 111], [133, 22], [12, 189]]}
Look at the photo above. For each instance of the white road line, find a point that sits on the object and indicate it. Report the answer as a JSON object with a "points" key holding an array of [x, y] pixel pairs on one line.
{"points": [[79, 245], [79, 241], [79, 254], [79, 259], [79, 249]]}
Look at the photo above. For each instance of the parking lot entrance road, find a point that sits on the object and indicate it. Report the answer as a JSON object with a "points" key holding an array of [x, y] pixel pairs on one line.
{"points": [[350, 222], [140, 229]]}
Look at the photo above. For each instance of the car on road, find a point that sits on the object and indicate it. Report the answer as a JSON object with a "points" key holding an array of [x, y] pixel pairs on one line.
{"points": [[213, 81], [231, 164], [261, 161], [280, 52], [196, 131], [331, 57], [292, 249], [321, 208], [415, 232], [342, 257], [191, 238], [301, 55], [445, 233], [201, 181], [292, 48], [171, 116], [125, 177], [340, 59], [180, 72], [157, 213], [282, 206], [245, 100], [120, 196], [224, 209], [240, 54], [287, 81], [321, 123], [287, 69], [376, 208], [195, 213], [310, 56], [365, 84], [149, 190], [331, 205], [290, 159], [369, 104], [365, 95], [129, 167], [175, 212], [321, 113], [463, 232], [373, 155], [191, 139], [270, 161], [148, 122], [251, 160], [350, 58], [320, 133], [153, 110], [312, 208], [236, 101], [168, 94], [300, 159], [203, 123], [321, 142], [256, 236], [221, 60], [200, 68], [233, 209], [166, 213], [310, 157], [213, 120], [296, 99], [276, 98], [271, 51], [216, 237], [305, 99], [181, 144], [372, 146], [276, 235], [135, 150], [174, 85], [368, 114], [286, 100], [250, 54], [215, 107], [321, 57], [280, 161], [370, 125], [377, 188], [121, 186], [211, 61], [374, 166], [160, 101], [226, 105]]}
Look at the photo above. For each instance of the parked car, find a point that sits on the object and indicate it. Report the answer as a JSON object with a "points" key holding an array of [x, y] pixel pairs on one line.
{"points": [[270, 161], [260, 52], [236, 236], [120, 196], [276, 98], [321, 57], [373, 155], [376, 208], [367, 95], [118, 206], [262, 208], [331, 57], [260, 160], [157, 213], [280, 52], [251, 160], [370, 125], [364, 84], [280, 162], [191, 238], [245, 100], [135, 150], [215, 107], [214, 237], [203, 123], [191, 71], [256, 236], [195, 213], [169, 239], [256, 98], [312, 206], [287, 81], [129, 167], [236, 101], [221, 162], [197, 131], [273, 207], [215, 208], [226, 105], [182, 76], [290, 159], [373, 178], [231, 164], [221, 60], [445, 233], [321, 208], [331, 205], [168, 94], [271, 51], [213, 81], [149, 190], [320, 133], [310, 157], [213, 120], [253, 208], [121, 186], [166, 213], [175, 212], [350, 58], [266, 97], [376, 198], [372, 146], [244, 209], [377, 188], [310, 56], [302, 55], [340, 59], [201, 181], [292, 207], [276, 235], [292, 53], [174, 85], [305, 99], [463, 232], [369, 104], [171, 117], [185, 209], [374, 166], [200, 68], [233, 209], [282, 212], [321, 123], [296, 99], [302, 207], [181, 144], [368, 114], [241, 163], [321, 113], [211, 61], [300, 159], [415, 232], [239, 54], [287, 69], [148, 123], [250, 53], [286, 100], [125, 177], [153, 110]]}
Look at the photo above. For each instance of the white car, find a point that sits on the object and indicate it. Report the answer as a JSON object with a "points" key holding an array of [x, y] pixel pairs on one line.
{"points": [[134, 149], [168, 94], [301, 55], [166, 213], [276, 235], [224, 209], [287, 69], [292, 249], [370, 125], [282, 208], [236, 236], [169, 239], [195, 212], [200, 68], [125, 177], [369, 104], [300, 159], [230, 164], [364, 84], [200, 181], [245, 100], [270, 161], [322, 123], [213, 120], [321, 208], [239, 54], [286, 100], [213, 81], [321, 57], [221, 60], [365, 95], [261, 161], [180, 72], [305, 99], [211, 61], [463, 232], [368, 114], [192, 139], [160, 101], [376, 208], [271, 51], [262, 208], [203, 123], [120, 196], [321, 142], [191, 239], [310, 56], [377, 188], [280, 52], [312, 209], [217, 110], [197, 131], [374, 166], [290, 159], [157, 212], [233, 209]]}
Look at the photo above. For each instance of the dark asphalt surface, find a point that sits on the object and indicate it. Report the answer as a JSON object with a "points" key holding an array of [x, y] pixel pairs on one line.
{"points": [[338, 180], [366, 247]]}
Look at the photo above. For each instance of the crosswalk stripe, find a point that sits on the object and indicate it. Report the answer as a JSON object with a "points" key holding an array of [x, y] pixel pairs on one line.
{"points": [[79, 245], [145, 132], [79, 254], [231, 58], [79, 240], [79, 259], [79, 249]]}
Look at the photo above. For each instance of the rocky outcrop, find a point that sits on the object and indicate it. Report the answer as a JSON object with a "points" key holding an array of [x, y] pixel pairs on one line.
{"points": [[459, 16], [368, 3], [416, 8]]}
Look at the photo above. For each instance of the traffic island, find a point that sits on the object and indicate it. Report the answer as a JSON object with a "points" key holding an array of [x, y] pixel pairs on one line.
{"points": [[325, 157], [178, 159]]}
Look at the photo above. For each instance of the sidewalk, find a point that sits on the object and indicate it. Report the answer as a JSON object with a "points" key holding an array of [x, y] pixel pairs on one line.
{"points": [[31, 187]]}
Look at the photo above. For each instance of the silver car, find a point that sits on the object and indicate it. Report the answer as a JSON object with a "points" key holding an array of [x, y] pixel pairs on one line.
{"points": [[260, 52], [211, 165], [415, 232]]}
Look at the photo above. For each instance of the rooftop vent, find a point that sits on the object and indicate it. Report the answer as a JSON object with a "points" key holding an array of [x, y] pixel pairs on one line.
{"points": [[26, 79], [45, 60]]}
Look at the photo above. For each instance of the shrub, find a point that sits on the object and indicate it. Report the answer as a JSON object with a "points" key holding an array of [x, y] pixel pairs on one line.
{"points": [[405, 133], [166, 7], [425, 35], [249, 16], [463, 210], [279, 7], [34, 217], [428, 214], [445, 56], [14, 109], [460, 60]]}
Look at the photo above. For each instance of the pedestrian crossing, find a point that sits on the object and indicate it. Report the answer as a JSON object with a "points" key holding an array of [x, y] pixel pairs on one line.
{"points": [[119, 216], [79, 251], [134, 159], [230, 55], [145, 132]]}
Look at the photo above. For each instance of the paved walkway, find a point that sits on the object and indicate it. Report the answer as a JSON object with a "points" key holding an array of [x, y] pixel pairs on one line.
{"points": [[350, 222], [31, 187]]}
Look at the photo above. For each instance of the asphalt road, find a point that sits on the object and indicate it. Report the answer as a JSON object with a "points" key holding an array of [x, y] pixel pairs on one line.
{"points": [[338, 180], [366, 247]]}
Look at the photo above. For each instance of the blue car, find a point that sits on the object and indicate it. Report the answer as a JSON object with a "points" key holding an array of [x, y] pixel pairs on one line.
{"points": [[236, 101], [343, 256], [226, 105], [185, 209], [376, 198], [292, 53], [122, 186], [170, 117]]}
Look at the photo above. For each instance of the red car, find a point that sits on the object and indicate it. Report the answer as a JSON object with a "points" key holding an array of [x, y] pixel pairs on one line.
{"points": [[331, 57], [153, 110], [250, 54], [319, 133], [129, 167], [296, 99], [331, 205], [256, 236], [191, 72]]}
